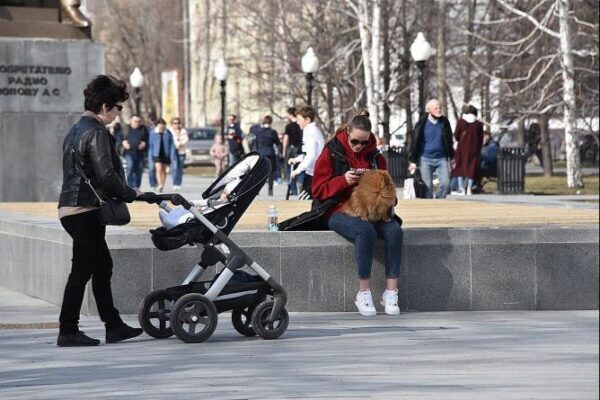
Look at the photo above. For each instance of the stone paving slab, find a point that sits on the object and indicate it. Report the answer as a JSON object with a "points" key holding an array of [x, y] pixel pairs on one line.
{"points": [[450, 355]]}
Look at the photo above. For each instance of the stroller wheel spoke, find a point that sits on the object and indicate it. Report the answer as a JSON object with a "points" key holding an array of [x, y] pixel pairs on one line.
{"points": [[162, 324], [153, 314], [192, 328]]}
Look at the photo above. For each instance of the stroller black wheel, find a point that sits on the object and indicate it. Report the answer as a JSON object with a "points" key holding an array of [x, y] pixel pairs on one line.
{"points": [[266, 329], [194, 318], [242, 321], [154, 314]]}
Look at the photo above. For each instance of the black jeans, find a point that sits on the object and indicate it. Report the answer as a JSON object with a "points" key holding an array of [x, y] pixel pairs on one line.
{"points": [[91, 259]]}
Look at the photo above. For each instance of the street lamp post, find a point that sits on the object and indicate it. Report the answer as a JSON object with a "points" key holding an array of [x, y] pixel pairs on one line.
{"points": [[137, 80], [310, 65], [420, 50], [221, 75]]}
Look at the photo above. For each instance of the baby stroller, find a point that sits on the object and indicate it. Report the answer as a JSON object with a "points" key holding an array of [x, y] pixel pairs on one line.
{"points": [[190, 310]]}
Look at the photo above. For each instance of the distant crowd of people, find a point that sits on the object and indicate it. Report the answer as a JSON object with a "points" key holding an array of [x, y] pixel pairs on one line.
{"points": [[292, 153], [160, 146]]}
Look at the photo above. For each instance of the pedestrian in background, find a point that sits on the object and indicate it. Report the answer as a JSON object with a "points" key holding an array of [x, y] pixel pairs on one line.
{"points": [[218, 154], [89, 149], [162, 151], [292, 147], [312, 145], [432, 149], [180, 140], [266, 140], [234, 140], [280, 173], [469, 136], [150, 126], [134, 146], [534, 142]]}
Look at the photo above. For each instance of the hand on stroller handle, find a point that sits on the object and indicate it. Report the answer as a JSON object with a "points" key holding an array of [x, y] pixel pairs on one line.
{"points": [[176, 199]]}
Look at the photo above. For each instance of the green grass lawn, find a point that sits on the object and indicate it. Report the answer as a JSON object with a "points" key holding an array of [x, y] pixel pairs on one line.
{"points": [[558, 185]]}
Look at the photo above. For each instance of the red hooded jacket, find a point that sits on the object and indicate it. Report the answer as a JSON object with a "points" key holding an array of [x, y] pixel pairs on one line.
{"points": [[325, 185]]}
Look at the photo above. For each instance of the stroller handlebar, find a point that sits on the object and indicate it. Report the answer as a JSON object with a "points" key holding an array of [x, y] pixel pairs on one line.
{"points": [[154, 198]]}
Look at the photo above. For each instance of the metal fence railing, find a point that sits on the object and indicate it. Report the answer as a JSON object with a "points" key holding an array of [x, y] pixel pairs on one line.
{"points": [[511, 169]]}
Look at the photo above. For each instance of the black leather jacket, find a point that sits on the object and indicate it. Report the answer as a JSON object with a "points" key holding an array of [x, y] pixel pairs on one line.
{"points": [[101, 164], [419, 133]]}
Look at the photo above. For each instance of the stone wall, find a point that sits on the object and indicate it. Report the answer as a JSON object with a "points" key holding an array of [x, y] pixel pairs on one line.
{"points": [[41, 96], [531, 268]]}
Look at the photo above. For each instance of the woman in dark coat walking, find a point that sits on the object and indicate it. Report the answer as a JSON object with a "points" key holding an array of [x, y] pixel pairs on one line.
{"points": [[266, 139], [469, 135], [90, 160]]}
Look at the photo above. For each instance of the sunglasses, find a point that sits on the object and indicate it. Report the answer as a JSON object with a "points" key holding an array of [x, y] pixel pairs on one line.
{"points": [[118, 106], [356, 142]]}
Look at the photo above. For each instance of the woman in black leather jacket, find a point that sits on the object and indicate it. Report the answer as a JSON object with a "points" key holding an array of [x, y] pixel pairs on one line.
{"points": [[80, 216]]}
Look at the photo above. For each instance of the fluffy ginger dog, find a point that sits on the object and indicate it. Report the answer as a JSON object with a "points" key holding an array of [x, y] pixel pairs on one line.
{"points": [[372, 198]]}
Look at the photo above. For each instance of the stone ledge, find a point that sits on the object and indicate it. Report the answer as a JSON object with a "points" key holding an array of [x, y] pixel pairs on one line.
{"points": [[442, 269]]}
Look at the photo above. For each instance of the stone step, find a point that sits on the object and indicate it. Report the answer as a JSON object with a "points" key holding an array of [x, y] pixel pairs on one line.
{"points": [[37, 29], [29, 14]]}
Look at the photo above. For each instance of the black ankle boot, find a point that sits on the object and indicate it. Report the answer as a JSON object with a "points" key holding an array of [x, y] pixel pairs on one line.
{"points": [[75, 339], [121, 333]]}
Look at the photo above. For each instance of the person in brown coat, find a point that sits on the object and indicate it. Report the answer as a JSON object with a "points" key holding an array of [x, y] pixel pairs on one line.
{"points": [[469, 135]]}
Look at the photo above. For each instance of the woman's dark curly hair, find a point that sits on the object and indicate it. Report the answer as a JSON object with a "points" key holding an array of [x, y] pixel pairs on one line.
{"points": [[104, 89]]}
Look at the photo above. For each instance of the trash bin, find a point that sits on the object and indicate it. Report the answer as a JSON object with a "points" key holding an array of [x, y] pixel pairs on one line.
{"points": [[397, 159], [511, 169]]}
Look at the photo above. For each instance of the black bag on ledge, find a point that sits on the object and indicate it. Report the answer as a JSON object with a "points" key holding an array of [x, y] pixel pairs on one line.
{"points": [[312, 220]]}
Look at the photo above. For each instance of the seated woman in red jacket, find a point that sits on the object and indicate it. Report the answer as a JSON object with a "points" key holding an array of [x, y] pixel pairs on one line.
{"points": [[355, 147]]}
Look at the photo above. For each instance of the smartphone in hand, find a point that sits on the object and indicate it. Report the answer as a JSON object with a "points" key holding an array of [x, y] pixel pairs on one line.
{"points": [[359, 171]]}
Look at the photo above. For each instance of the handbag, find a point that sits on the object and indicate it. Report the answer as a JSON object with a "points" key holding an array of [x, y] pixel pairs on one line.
{"points": [[419, 185], [312, 220], [112, 211]]}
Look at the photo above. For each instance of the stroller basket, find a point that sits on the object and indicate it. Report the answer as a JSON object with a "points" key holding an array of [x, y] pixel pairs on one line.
{"points": [[184, 234]]}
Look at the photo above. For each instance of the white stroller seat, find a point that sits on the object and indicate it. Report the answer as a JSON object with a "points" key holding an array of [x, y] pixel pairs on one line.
{"points": [[174, 217]]}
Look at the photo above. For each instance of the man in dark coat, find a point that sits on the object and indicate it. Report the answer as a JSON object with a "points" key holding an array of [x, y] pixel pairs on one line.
{"points": [[432, 149]]}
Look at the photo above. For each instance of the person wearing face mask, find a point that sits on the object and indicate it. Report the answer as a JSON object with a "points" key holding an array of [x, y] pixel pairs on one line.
{"points": [[90, 147], [469, 136], [431, 149], [354, 148]]}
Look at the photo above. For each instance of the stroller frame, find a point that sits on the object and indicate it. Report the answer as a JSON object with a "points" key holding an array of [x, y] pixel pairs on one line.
{"points": [[220, 248]]}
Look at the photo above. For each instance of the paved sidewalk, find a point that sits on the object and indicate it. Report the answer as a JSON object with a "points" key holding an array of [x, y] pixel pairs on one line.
{"points": [[451, 355]]}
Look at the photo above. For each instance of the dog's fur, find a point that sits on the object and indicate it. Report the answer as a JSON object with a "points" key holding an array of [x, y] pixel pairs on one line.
{"points": [[372, 198]]}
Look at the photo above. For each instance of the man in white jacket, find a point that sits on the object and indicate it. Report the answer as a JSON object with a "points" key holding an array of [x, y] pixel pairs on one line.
{"points": [[312, 145]]}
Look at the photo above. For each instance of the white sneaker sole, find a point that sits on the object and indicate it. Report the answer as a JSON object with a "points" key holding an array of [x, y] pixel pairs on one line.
{"points": [[365, 313], [394, 311]]}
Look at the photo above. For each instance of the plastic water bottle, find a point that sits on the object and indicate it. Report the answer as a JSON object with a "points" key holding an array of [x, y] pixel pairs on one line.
{"points": [[272, 215]]}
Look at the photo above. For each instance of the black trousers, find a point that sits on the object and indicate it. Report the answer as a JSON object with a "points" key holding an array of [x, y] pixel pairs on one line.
{"points": [[91, 259]]}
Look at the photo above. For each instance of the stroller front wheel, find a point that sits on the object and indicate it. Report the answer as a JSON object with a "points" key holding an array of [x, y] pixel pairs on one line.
{"points": [[266, 329], [154, 314], [194, 318], [242, 321]]}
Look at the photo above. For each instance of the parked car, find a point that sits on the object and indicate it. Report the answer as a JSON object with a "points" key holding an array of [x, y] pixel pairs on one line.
{"points": [[198, 147]]}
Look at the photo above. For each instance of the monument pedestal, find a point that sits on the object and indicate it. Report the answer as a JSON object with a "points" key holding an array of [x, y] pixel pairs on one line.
{"points": [[41, 96]]}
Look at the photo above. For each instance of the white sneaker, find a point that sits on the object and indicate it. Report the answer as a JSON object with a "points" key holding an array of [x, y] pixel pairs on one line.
{"points": [[176, 188], [389, 300], [469, 192], [457, 193], [364, 303]]}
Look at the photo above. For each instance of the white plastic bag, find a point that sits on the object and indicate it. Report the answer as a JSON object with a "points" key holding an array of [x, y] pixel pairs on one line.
{"points": [[409, 189]]}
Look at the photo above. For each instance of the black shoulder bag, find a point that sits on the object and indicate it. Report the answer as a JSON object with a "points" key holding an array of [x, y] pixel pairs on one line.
{"points": [[112, 211]]}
